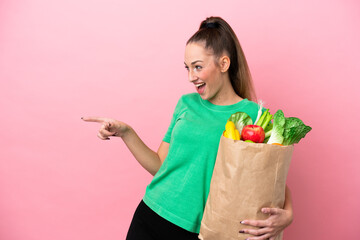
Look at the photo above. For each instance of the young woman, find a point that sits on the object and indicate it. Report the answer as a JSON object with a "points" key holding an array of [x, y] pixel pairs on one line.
{"points": [[174, 201]]}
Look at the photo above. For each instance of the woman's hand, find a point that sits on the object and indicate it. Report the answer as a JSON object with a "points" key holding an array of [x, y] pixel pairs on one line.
{"points": [[278, 220], [149, 159], [109, 127]]}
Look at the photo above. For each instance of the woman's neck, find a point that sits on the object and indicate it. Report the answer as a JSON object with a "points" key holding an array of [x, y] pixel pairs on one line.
{"points": [[226, 95]]}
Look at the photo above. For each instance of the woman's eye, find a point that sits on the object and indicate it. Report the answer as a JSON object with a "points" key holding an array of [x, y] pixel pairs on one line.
{"points": [[198, 67], [187, 68]]}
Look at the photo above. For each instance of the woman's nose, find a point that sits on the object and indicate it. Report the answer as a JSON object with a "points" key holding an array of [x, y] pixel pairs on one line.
{"points": [[192, 76]]}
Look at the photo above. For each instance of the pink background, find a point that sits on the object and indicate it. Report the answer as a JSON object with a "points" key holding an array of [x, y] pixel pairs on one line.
{"points": [[61, 60]]}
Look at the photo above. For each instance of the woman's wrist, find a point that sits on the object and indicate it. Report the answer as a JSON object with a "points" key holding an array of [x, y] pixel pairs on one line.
{"points": [[125, 131]]}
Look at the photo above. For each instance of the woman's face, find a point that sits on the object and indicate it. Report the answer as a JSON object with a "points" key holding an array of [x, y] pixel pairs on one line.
{"points": [[203, 71]]}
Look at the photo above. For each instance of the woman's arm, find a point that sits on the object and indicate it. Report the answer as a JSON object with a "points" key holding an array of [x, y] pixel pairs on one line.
{"points": [[277, 221], [288, 204], [147, 158]]}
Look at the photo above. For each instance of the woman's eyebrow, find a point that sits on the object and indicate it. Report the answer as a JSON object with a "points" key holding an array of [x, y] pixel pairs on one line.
{"points": [[194, 62]]}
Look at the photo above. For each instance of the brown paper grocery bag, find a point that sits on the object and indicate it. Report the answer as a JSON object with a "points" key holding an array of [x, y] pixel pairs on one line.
{"points": [[246, 178]]}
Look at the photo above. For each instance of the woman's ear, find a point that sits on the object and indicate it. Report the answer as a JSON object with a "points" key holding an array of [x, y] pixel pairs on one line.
{"points": [[224, 63]]}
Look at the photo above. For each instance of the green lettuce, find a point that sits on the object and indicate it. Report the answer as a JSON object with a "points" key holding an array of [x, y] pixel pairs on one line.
{"points": [[240, 119], [294, 130], [268, 131], [286, 131], [278, 128]]}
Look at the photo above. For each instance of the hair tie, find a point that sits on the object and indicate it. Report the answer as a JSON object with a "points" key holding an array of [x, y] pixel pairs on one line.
{"points": [[211, 25]]}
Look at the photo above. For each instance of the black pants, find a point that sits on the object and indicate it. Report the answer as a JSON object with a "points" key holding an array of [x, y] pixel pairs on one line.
{"points": [[148, 225]]}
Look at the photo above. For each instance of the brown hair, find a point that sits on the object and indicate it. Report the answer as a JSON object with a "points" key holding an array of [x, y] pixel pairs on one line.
{"points": [[218, 36]]}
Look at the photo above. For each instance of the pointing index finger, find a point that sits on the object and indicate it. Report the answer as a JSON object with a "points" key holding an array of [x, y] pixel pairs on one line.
{"points": [[94, 119]]}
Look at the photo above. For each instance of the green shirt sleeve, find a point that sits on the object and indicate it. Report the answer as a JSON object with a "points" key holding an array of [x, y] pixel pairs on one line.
{"points": [[177, 110]]}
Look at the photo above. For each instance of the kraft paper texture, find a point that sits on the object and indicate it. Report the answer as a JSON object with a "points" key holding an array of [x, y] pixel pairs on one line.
{"points": [[246, 178]]}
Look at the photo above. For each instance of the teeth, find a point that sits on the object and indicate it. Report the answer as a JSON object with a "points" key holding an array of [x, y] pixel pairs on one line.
{"points": [[199, 85]]}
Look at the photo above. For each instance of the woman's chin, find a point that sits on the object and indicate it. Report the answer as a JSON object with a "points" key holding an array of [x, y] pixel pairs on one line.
{"points": [[203, 96]]}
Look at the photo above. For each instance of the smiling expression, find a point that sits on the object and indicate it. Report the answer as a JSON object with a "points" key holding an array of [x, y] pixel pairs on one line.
{"points": [[205, 72]]}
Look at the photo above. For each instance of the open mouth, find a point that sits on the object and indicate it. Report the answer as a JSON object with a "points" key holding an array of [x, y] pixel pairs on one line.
{"points": [[200, 87]]}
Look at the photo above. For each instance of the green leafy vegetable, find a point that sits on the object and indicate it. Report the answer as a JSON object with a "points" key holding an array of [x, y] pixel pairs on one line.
{"points": [[283, 131], [268, 129], [278, 128], [264, 119], [240, 119], [294, 130], [260, 111]]}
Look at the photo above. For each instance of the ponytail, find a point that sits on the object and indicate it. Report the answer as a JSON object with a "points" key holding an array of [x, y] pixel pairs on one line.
{"points": [[218, 36]]}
